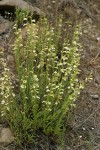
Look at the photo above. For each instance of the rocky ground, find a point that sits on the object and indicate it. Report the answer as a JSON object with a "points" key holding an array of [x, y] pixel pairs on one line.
{"points": [[84, 131]]}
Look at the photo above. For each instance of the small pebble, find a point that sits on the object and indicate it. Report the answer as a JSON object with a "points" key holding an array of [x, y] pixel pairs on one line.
{"points": [[95, 96], [98, 39]]}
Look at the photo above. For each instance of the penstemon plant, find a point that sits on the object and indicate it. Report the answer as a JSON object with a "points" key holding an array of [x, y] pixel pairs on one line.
{"points": [[48, 80]]}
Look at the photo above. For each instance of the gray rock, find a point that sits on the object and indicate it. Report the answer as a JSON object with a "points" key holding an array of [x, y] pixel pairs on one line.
{"points": [[2, 19], [20, 4], [6, 136], [4, 25]]}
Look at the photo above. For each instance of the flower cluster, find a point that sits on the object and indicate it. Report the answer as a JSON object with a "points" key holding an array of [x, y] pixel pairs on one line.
{"points": [[6, 89]]}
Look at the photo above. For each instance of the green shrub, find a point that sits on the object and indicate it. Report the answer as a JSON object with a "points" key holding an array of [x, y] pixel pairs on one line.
{"points": [[48, 81]]}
